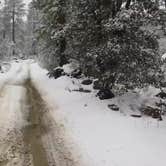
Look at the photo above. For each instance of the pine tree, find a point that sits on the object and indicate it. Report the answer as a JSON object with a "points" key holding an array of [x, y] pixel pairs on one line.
{"points": [[131, 54], [32, 24], [107, 39], [14, 12], [51, 31]]}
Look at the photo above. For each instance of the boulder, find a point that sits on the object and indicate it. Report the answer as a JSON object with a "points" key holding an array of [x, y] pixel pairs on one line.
{"points": [[163, 84], [161, 95], [160, 104], [97, 85], [113, 107], [136, 115], [82, 90], [76, 73], [152, 111], [105, 94], [156, 114], [87, 82], [56, 73]]}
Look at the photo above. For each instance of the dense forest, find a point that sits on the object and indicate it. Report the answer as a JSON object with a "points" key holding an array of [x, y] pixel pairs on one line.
{"points": [[114, 41], [82, 82]]}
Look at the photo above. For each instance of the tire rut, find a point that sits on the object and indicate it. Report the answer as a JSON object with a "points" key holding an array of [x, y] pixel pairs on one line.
{"points": [[41, 140], [33, 132], [45, 136]]}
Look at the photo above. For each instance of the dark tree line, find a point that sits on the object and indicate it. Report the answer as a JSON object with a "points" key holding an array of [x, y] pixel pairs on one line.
{"points": [[107, 38]]}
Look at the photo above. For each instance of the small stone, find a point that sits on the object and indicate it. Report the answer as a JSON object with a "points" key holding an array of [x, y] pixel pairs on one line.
{"points": [[113, 107], [136, 116], [105, 94], [97, 85], [56, 73], [87, 82], [162, 95], [76, 73]]}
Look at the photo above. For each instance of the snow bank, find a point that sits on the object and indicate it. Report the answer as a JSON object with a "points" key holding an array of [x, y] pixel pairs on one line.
{"points": [[105, 138]]}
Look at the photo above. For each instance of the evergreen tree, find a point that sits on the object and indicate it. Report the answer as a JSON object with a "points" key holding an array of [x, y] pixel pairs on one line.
{"points": [[51, 31], [131, 53], [107, 38], [13, 29], [32, 24]]}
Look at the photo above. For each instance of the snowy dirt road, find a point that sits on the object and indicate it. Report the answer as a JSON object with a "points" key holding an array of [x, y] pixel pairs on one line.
{"points": [[42, 123], [29, 136]]}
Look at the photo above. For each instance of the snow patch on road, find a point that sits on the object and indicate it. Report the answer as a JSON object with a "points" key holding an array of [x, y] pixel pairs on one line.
{"points": [[17, 74]]}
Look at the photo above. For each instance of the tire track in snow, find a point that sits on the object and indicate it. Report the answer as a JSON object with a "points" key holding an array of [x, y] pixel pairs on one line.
{"points": [[12, 149], [44, 135], [34, 130], [30, 136]]}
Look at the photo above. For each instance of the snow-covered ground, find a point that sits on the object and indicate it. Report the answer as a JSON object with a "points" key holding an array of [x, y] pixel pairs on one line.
{"points": [[16, 125], [104, 137], [16, 73], [96, 135]]}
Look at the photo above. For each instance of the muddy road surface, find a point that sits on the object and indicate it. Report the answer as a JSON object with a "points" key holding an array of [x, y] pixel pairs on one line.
{"points": [[29, 135]]}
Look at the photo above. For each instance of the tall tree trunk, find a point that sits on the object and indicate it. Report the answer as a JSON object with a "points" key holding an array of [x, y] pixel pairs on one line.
{"points": [[119, 4], [165, 3], [4, 12], [33, 31], [13, 28], [128, 4], [157, 3], [113, 5], [116, 6], [4, 34], [13, 24]]}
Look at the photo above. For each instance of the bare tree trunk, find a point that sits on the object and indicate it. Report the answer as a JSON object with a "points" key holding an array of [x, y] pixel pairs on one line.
{"points": [[157, 3], [113, 5], [128, 4], [13, 24], [13, 28], [4, 34], [4, 12], [119, 4], [116, 6]]}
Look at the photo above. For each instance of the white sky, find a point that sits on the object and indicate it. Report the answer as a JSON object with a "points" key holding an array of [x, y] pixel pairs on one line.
{"points": [[27, 2]]}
